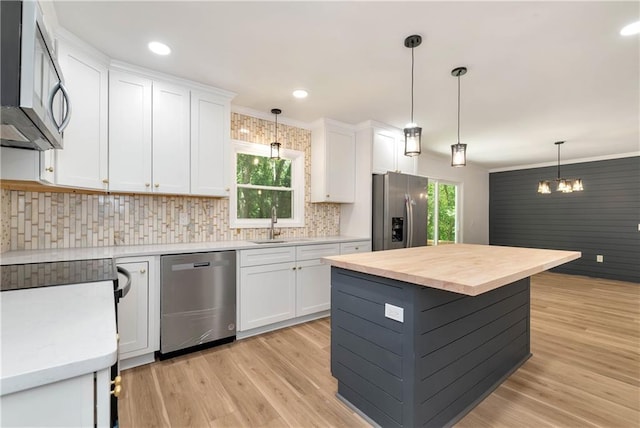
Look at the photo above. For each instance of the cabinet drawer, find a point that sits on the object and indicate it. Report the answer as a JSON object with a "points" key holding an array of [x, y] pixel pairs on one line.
{"points": [[355, 247], [308, 252], [265, 256]]}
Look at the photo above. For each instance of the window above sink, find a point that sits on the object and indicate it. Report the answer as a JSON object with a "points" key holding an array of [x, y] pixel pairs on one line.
{"points": [[260, 183]]}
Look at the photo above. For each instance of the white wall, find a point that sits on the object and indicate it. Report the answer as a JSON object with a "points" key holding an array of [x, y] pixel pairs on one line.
{"points": [[474, 187]]}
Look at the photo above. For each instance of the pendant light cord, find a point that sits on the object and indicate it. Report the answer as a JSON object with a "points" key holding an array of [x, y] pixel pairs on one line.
{"points": [[458, 108], [412, 85], [276, 128], [558, 161]]}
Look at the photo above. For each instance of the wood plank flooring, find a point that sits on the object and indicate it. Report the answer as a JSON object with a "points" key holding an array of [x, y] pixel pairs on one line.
{"points": [[585, 372]]}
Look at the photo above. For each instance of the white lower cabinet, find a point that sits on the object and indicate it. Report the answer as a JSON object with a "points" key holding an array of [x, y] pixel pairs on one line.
{"points": [[267, 294], [282, 283], [81, 401], [313, 287], [138, 313], [355, 247]]}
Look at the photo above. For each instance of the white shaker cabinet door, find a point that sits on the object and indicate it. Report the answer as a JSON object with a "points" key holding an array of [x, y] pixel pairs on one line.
{"points": [[84, 162], [210, 140], [333, 162], [267, 294], [171, 151], [313, 287], [341, 165], [129, 132], [133, 314], [384, 152]]}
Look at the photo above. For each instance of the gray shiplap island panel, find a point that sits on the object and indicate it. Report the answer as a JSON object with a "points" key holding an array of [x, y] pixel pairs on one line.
{"points": [[450, 351]]}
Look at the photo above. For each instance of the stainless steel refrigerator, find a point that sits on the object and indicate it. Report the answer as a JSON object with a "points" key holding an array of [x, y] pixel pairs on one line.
{"points": [[399, 211]]}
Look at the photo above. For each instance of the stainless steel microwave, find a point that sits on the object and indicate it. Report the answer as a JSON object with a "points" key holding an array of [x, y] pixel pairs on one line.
{"points": [[35, 103]]}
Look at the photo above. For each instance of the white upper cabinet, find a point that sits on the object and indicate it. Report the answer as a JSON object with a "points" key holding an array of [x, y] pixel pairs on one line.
{"points": [[388, 152], [170, 137], [333, 162], [129, 132], [210, 140], [83, 162], [167, 137]]}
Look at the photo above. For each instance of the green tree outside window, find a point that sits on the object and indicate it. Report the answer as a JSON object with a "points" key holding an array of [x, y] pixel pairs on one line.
{"points": [[262, 183], [441, 206]]}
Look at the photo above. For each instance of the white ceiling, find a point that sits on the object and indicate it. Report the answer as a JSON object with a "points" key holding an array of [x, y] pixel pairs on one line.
{"points": [[538, 71]]}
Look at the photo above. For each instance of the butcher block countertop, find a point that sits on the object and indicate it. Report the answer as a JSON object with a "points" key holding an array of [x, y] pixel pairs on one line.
{"points": [[461, 268]]}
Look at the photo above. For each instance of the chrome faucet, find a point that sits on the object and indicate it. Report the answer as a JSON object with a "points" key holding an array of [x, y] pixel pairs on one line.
{"points": [[274, 220]]}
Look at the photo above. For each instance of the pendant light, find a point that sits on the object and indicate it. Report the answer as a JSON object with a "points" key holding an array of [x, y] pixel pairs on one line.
{"points": [[459, 151], [412, 132], [275, 146], [564, 185]]}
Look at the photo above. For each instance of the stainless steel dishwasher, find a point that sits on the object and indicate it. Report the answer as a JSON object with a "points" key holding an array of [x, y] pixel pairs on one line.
{"points": [[197, 300]]}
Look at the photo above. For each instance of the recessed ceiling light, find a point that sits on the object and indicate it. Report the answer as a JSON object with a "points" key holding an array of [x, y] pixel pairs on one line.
{"points": [[300, 93], [159, 48], [631, 29]]}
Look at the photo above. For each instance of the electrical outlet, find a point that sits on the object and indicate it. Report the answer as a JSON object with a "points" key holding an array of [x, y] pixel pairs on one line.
{"points": [[184, 219], [394, 312], [599, 258]]}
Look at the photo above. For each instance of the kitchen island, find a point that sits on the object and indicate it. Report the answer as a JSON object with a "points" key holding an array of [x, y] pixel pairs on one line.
{"points": [[419, 336]]}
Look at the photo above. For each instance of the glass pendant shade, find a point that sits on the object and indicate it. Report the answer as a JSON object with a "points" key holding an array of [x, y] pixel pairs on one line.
{"points": [[458, 154], [412, 144], [577, 185], [564, 186], [543, 187], [275, 150]]}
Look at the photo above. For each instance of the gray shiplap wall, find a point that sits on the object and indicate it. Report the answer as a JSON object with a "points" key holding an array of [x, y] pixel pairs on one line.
{"points": [[602, 219]]}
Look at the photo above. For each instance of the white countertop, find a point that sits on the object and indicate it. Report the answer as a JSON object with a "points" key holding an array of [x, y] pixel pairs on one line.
{"points": [[53, 255], [54, 333]]}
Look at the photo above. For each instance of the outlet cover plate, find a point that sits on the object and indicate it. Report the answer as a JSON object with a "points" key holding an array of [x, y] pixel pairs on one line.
{"points": [[394, 312]]}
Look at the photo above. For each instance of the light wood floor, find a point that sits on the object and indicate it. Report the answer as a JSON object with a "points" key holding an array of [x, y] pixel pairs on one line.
{"points": [[585, 372]]}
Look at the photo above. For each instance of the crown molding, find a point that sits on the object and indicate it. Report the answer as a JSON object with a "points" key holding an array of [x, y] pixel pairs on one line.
{"points": [[567, 161]]}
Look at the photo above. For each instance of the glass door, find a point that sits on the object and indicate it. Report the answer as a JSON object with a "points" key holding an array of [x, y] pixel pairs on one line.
{"points": [[442, 213]]}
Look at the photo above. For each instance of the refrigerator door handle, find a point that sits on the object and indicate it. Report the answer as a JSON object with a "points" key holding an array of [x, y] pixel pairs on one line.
{"points": [[411, 203], [407, 203]]}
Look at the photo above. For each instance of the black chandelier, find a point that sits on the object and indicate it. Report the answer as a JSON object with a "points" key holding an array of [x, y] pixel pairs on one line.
{"points": [[564, 185]]}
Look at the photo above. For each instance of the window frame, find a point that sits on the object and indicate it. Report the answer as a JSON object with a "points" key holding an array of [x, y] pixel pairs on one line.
{"points": [[436, 193], [297, 186]]}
